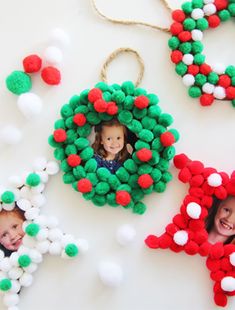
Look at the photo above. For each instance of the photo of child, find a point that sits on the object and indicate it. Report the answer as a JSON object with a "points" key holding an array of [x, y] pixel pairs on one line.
{"points": [[110, 145], [220, 223], [11, 230]]}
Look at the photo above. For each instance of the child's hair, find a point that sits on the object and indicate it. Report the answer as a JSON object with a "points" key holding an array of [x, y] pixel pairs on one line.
{"points": [[211, 218], [98, 147]]}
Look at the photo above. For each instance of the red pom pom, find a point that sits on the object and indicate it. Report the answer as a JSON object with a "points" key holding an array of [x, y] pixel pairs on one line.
{"points": [[176, 56], [207, 201], [144, 155], [165, 241], [171, 229], [123, 198], [145, 181], [200, 237], [221, 193], [225, 264], [205, 69], [196, 225], [204, 249], [196, 167], [180, 221], [193, 69], [217, 275], [213, 21], [79, 119], [230, 92], [176, 28], [208, 171], [100, 106], [180, 161], [196, 191], [191, 248], [217, 250], [112, 108], [196, 181], [220, 299], [213, 264], [141, 102], [152, 242], [84, 186], [94, 94], [221, 4], [59, 135], [224, 80], [167, 138], [74, 160], [32, 63], [178, 16], [206, 99], [229, 249], [185, 36], [51, 75], [185, 175]]}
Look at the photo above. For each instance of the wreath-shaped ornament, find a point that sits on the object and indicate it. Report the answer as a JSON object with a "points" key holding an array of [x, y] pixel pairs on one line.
{"points": [[205, 224], [204, 81], [146, 169]]}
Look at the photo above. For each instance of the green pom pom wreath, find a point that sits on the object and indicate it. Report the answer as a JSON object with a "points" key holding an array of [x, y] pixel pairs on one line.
{"points": [[147, 169], [8, 197], [5, 285], [24, 260], [18, 82], [204, 81], [71, 250]]}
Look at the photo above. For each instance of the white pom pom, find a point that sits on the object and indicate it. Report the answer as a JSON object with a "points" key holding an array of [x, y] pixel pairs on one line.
{"points": [[29, 242], [55, 234], [29, 104], [43, 176], [209, 9], [197, 35], [188, 59], [228, 284], [8, 206], [23, 250], [181, 237], [42, 234], [37, 189], [219, 92], [110, 274], [38, 200], [125, 234], [194, 210], [214, 180], [36, 256], [219, 68], [232, 258], [197, 14], [25, 192], [15, 181], [14, 259], [5, 264], [59, 36], [24, 204], [2, 255], [31, 268], [15, 273], [53, 55], [43, 246], [15, 288], [52, 168], [66, 239], [10, 135], [26, 279], [83, 245], [52, 222], [208, 88], [209, 1], [41, 220], [11, 299], [55, 248], [31, 213], [40, 163], [188, 79]]}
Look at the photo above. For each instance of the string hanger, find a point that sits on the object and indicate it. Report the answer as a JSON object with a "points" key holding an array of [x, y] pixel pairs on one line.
{"points": [[117, 52], [132, 22]]}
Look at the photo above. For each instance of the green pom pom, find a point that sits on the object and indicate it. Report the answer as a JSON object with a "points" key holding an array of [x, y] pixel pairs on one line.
{"points": [[173, 43], [158, 130], [185, 48], [81, 143], [90, 195], [146, 135], [66, 111], [175, 134], [130, 165], [181, 68], [200, 79], [133, 179], [65, 166], [124, 187], [59, 154], [230, 70], [163, 164], [93, 118], [233, 103], [165, 120], [138, 113], [197, 47], [125, 117], [197, 4], [79, 172], [68, 178], [140, 91], [70, 149], [189, 24], [166, 177], [91, 165], [74, 101], [202, 24], [93, 178], [84, 96], [107, 96], [5, 285], [32, 229], [159, 187], [213, 78], [156, 175], [52, 142], [169, 152], [148, 190], [128, 88], [139, 208], [122, 174], [84, 131], [157, 145], [102, 86], [24, 260], [111, 200], [103, 174], [71, 250], [105, 116], [187, 7], [18, 82], [141, 145], [69, 123], [199, 59], [145, 169], [194, 92], [153, 99], [129, 103], [224, 15], [118, 96], [71, 136], [231, 9], [155, 158], [33, 179], [81, 109], [114, 182], [102, 188], [98, 200], [135, 126], [8, 197], [59, 124], [149, 122], [154, 111], [137, 195], [87, 153]]}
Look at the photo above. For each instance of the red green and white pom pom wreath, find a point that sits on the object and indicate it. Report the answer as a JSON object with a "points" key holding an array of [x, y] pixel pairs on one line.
{"points": [[41, 233], [187, 231], [207, 82], [147, 169]]}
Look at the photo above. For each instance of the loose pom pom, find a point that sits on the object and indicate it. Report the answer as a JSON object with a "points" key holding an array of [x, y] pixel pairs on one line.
{"points": [[141, 102], [145, 181], [18, 82], [228, 284], [53, 55], [74, 160], [125, 234], [144, 154], [123, 198], [194, 210], [167, 138], [51, 75], [10, 135], [214, 180], [32, 63], [180, 237], [84, 186], [59, 36], [29, 104], [110, 274]]}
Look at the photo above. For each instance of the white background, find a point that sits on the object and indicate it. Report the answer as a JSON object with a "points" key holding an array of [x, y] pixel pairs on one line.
{"points": [[152, 279]]}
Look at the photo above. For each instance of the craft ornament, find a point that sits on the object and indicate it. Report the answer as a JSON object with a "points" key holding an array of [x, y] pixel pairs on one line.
{"points": [[205, 224], [204, 81], [26, 234]]}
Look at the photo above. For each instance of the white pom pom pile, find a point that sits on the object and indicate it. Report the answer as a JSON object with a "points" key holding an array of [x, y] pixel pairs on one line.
{"points": [[125, 234], [110, 274]]}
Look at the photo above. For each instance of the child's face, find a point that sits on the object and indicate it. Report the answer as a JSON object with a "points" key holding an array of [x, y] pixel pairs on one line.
{"points": [[225, 218], [11, 232], [112, 139]]}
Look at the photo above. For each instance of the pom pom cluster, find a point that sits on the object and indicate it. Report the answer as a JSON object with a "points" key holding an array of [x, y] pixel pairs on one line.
{"points": [[187, 230], [42, 233], [147, 169], [204, 81]]}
